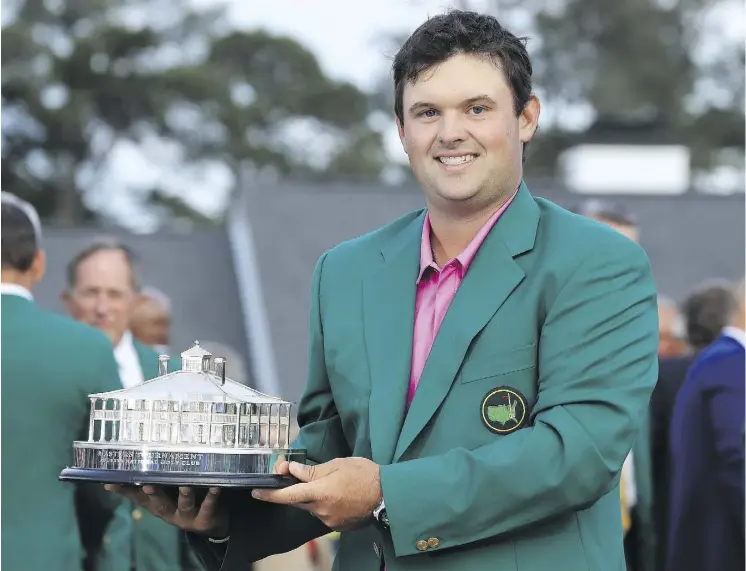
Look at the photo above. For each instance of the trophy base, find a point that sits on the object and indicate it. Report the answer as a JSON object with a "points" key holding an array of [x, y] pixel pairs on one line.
{"points": [[195, 480], [136, 465]]}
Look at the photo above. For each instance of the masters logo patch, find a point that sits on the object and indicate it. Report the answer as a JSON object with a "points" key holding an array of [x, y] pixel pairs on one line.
{"points": [[504, 410]]}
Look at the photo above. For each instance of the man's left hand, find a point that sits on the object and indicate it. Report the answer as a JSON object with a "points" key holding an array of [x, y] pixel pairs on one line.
{"points": [[341, 493]]}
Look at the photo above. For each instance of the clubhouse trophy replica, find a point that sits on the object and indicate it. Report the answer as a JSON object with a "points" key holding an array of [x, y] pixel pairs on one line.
{"points": [[192, 427]]}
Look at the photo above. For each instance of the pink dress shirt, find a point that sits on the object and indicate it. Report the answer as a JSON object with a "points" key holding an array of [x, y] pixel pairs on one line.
{"points": [[435, 292]]}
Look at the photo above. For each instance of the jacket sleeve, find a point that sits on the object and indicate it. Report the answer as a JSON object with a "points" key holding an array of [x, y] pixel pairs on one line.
{"points": [[723, 402], [260, 529], [597, 369]]}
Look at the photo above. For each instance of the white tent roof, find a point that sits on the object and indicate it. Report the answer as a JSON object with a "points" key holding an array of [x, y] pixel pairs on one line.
{"points": [[191, 386]]}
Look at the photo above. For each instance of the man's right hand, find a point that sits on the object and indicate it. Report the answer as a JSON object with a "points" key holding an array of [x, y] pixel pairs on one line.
{"points": [[208, 518]]}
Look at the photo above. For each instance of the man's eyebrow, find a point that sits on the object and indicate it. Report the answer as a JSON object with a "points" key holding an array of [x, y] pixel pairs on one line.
{"points": [[480, 98], [419, 105]]}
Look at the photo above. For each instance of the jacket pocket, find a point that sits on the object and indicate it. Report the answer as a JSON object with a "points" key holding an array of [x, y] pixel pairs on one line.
{"points": [[487, 364]]}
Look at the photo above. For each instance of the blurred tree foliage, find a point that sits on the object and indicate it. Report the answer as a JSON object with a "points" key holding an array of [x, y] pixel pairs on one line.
{"points": [[81, 76], [651, 61], [660, 66]]}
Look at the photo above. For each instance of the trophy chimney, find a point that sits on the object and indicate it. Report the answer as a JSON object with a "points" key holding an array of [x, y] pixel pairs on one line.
{"points": [[206, 362], [220, 369], [163, 365]]}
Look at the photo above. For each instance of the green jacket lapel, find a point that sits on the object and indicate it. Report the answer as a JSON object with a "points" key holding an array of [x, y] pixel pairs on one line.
{"points": [[148, 360], [388, 306], [491, 278]]}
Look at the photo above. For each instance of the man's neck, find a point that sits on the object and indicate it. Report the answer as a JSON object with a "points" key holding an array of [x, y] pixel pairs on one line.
{"points": [[15, 277], [739, 324], [451, 233]]}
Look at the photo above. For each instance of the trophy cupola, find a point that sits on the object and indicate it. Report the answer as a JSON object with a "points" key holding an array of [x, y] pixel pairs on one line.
{"points": [[196, 359]]}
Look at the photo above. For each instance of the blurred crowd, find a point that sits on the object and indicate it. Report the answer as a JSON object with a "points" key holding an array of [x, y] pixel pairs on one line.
{"points": [[114, 330], [682, 486], [681, 489]]}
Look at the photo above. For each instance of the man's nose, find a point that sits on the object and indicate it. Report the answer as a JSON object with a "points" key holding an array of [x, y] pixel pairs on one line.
{"points": [[102, 306], [452, 130]]}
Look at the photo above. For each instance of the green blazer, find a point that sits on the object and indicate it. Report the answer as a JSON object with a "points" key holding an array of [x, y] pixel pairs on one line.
{"points": [[134, 532], [50, 364], [532, 396]]}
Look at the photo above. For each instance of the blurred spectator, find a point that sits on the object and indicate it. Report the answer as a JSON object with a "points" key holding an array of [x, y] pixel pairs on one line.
{"points": [[151, 319], [672, 328], [103, 284], [636, 482], [706, 311], [612, 214], [50, 364], [706, 531]]}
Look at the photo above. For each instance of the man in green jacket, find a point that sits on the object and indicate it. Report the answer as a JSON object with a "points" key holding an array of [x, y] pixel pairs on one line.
{"points": [[103, 284], [50, 364], [478, 370]]}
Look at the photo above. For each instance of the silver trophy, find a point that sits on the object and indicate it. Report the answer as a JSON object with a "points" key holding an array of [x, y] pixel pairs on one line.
{"points": [[192, 427]]}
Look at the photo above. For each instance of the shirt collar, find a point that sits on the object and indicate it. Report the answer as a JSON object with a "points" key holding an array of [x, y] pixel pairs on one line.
{"points": [[466, 257], [126, 343], [15, 289], [736, 334]]}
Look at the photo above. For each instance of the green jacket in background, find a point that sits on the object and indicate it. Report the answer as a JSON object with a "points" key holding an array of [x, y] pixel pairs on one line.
{"points": [[50, 364], [134, 532]]}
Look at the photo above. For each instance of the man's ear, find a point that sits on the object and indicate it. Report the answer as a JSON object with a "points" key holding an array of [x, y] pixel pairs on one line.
{"points": [[38, 266], [402, 138], [528, 120]]}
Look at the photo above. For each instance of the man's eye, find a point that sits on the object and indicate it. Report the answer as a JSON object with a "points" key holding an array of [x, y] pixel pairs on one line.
{"points": [[429, 113], [478, 109]]}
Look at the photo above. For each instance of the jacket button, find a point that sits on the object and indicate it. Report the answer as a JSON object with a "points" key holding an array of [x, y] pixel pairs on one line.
{"points": [[377, 549], [136, 515], [422, 545], [433, 542]]}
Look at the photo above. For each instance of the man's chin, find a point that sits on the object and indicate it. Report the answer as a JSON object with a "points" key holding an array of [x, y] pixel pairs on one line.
{"points": [[457, 197]]}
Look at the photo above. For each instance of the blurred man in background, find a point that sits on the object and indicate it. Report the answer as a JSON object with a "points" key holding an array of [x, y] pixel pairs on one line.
{"points": [[151, 319], [103, 289], [611, 214], [50, 364], [705, 312], [672, 329], [706, 524], [636, 486]]}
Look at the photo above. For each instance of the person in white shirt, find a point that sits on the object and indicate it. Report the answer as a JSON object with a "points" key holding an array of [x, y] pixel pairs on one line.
{"points": [[103, 288]]}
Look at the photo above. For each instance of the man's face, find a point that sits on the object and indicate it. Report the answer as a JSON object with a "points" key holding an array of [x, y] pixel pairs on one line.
{"points": [[461, 133], [670, 341], [103, 295]]}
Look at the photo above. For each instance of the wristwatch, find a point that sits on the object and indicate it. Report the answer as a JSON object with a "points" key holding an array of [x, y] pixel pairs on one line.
{"points": [[380, 515]]}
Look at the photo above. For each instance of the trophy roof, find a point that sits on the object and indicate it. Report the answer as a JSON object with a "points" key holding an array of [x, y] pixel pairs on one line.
{"points": [[195, 351], [189, 386]]}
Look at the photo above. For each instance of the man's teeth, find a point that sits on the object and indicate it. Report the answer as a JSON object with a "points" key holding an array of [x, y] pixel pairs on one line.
{"points": [[456, 160]]}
